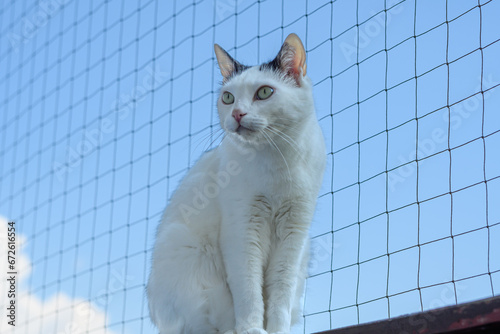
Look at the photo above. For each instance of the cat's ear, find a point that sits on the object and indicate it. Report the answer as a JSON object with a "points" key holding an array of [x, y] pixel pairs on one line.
{"points": [[228, 66], [292, 57]]}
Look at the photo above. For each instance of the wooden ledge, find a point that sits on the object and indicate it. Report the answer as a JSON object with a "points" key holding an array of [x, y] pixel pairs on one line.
{"points": [[482, 316]]}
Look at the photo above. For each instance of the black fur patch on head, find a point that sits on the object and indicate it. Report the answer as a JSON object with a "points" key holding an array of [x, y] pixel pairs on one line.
{"points": [[229, 67], [273, 65], [239, 68], [282, 65], [279, 64]]}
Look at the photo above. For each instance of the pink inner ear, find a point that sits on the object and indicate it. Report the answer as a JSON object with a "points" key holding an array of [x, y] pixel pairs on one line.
{"points": [[298, 64], [299, 59], [226, 64]]}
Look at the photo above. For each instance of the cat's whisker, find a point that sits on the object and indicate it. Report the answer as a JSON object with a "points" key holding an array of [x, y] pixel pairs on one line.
{"points": [[271, 141], [222, 134], [289, 128], [205, 138], [290, 141], [210, 138], [199, 141], [287, 138]]}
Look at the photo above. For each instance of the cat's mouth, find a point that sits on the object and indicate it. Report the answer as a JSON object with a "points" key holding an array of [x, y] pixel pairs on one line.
{"points": [[243, 131]]}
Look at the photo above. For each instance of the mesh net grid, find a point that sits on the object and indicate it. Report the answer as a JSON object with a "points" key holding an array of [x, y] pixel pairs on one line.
{"points": [[106, 104]]}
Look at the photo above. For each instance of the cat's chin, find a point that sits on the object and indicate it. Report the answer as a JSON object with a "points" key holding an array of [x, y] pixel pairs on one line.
{"points": [[244, 132], [246, 135]]}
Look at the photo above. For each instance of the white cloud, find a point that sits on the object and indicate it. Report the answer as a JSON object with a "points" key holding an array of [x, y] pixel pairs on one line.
{"points": [[59, 314]]}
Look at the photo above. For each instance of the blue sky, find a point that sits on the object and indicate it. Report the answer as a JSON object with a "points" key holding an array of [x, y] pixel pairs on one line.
{"points": [[105, 105]]}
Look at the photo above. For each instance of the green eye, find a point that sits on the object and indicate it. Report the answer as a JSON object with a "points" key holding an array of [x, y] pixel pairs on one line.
{"points": [[227, 98], [264, 92]]}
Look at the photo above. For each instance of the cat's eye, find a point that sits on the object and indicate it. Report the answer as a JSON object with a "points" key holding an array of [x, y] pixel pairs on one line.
{"points": [[227, 98], [264, 92]]}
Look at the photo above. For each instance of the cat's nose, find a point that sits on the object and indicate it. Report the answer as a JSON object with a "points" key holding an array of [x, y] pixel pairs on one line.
{"points": [[238, 115]]}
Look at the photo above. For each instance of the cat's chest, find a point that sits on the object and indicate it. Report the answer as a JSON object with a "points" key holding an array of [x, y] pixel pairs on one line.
{"points": [[270, 173], [277, 177], [270, 194], [275, 183]]}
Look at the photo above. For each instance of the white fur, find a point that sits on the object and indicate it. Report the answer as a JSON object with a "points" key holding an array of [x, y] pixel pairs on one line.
{"points": [[232, 249]]}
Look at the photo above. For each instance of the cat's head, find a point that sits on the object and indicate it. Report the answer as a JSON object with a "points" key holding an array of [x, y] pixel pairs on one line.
{"points": [[258, 103]]}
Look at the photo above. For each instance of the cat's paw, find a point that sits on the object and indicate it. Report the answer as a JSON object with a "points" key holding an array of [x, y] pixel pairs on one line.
{"points": [[254, 331]]}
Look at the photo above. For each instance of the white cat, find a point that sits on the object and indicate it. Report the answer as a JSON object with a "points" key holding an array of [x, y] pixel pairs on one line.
{"points": [[231, 251]]}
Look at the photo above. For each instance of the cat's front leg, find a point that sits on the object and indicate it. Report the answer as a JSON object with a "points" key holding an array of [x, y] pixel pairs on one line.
{"points": [[244, 250], [286, 271]]}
